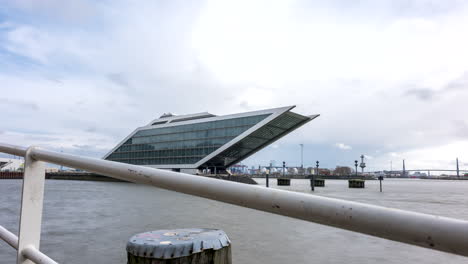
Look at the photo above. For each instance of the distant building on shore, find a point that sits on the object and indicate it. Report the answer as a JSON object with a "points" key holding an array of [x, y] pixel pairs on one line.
{"points": [[205, 142], [9, 164], [418, 174]]}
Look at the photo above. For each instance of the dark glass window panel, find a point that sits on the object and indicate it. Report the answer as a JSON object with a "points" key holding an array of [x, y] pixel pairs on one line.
{"points": [[258, 139]]}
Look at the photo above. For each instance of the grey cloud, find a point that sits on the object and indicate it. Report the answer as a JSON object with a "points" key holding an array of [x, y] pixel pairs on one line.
{"points": [[19, 104], [244, 104], [38, 137], [90, 129], [380, 11], [53, 79], [421, 93], [83, 146], [426, 94], [424, 8], [461, 128], [460, 83], [78, 11], [43, 138], [83, 150], [119, 79]]}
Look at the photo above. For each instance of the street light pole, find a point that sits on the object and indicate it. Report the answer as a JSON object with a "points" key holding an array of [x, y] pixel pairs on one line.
{"points": [[355, 165], [404, 169], [317, 162], [284, 168], [302, 156], [268, 177]]}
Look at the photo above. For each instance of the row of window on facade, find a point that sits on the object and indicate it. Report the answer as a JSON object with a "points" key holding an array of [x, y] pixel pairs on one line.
{"points": [[164, 153], [201, 143], [221, 124], [204, 134], [154, 161]]}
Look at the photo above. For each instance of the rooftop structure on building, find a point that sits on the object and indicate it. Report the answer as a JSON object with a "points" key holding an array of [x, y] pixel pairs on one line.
{"points": [[196, 142]]}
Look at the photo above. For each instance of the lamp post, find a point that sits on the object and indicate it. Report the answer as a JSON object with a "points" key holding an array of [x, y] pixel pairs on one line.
{"points": [[268, 177], [312, 180], [355, 165], [302, 155], [404, 169], [317, 162], [380, 181], [284, 168]]}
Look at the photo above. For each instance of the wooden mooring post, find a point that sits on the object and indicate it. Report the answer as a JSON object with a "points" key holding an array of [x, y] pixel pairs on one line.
{"points": [[380, 180], [283, 182], [180, 246], [319, 183], [356, 183], [314, 182]]}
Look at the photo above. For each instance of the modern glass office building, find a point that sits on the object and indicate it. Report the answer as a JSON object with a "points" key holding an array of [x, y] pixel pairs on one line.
{"points": [[191, 143]]}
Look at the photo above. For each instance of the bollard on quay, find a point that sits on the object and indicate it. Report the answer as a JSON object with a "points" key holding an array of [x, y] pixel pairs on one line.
{"points": [[283, 181], [180, 246], [356, 183], [380, 180], [319, 182], [312, 183]]}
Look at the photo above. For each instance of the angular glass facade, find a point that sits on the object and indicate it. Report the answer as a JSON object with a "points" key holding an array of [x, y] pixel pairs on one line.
{"points": [[181, 144], [205, 141], [258, 139]]}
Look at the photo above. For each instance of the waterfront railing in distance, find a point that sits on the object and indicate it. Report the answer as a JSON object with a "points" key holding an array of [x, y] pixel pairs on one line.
{"points": [[424, 230]]}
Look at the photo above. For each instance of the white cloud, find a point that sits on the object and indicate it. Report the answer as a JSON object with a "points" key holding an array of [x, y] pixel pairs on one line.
{"points": [[342, 146]]}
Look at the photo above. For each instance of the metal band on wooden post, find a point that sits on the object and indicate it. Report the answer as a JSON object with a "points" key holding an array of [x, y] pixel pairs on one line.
{"points": [[180, 246]]}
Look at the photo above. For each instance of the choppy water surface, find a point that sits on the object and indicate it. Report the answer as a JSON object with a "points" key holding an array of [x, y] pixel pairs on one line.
{"points": [[90, 222]]}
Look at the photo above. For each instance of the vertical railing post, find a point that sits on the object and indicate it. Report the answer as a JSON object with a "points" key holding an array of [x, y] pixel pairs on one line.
{"points": [[31, 205]]}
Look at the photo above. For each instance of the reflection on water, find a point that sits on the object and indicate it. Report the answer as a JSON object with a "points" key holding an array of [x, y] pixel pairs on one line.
{"points": [[90, 222]]}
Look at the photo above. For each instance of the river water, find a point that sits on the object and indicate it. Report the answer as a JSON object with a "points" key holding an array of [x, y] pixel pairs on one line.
{"points": [[90, 222]]}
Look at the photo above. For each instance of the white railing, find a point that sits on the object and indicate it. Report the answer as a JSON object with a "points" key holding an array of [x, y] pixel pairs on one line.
{"points": [[429, 231], [29, 252]]}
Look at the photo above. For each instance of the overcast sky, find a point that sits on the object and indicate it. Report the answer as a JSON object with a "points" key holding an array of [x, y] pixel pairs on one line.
{"points": [[389, 78]]}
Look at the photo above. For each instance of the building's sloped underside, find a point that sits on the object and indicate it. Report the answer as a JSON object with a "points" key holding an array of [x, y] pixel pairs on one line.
{"points": [[257, 140]]}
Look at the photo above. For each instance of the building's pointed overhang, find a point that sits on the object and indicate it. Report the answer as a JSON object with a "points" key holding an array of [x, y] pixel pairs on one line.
{"points": [[280, 123]]}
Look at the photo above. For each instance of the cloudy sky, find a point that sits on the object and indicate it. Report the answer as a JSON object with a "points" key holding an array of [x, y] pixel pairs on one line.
{"points": [[389, 77]]}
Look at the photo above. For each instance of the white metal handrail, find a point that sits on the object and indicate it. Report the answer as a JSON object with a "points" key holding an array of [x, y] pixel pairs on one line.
{"points": [[9, 237], [29, 252], [424, 230]]}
